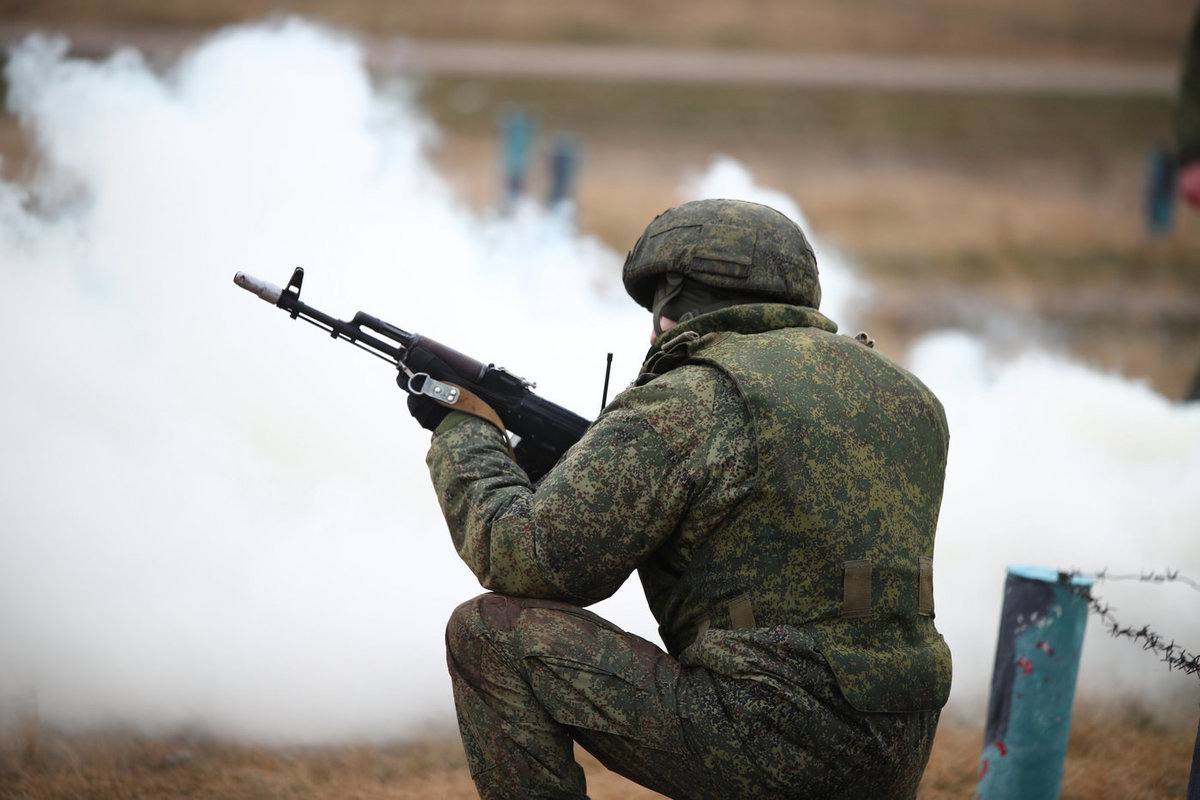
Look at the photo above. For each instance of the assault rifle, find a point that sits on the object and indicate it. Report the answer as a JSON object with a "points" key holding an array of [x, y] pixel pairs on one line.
{"points": [[432, 369]]}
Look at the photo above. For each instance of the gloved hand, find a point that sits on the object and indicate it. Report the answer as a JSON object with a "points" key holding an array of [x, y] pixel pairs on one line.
{"points": [[1189, 183], [429, 413]]}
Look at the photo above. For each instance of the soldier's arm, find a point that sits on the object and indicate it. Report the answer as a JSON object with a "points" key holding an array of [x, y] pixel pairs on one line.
{"points": [[612, 500]]}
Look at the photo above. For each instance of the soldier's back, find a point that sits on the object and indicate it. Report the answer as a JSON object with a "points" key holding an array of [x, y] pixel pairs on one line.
{"points": [[814, 594]]}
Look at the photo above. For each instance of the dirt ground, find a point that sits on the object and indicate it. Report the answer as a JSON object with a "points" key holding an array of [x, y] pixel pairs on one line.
{"points": [[1111, 755]]}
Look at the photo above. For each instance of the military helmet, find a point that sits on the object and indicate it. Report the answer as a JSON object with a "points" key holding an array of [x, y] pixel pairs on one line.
{"points": [[744, 248]]}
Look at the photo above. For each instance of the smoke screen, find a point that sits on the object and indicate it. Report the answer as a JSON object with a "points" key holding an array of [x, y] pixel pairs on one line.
{"points": [[211, 515]]}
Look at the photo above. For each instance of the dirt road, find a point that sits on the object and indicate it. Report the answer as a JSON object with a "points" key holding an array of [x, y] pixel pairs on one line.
{"points": [[643, 64]]}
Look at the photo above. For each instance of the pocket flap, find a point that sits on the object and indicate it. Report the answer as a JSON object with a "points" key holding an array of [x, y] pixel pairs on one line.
{"points": [[894, 678]]}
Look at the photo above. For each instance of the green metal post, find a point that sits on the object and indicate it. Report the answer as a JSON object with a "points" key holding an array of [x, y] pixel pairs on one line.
{"points": [[1033, 684], [517, 131]]}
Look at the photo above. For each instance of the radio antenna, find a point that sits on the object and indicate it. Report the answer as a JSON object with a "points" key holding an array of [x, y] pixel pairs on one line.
{"points": [[607, 372]]}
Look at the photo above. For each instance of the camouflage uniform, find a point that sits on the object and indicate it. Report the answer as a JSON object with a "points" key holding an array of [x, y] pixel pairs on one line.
{"points": [[776, 486]]}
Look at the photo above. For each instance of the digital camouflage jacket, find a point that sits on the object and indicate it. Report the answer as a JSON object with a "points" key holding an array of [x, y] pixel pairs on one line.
{"points": [[775, 484]]}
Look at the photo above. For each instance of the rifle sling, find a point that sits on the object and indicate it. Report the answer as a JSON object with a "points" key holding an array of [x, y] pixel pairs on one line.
{"points": [[470, 403]]}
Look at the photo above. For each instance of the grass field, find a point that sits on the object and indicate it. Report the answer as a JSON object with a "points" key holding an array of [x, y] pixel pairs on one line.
{"points": [[959, 209], [1111, 755], [896, 176]]}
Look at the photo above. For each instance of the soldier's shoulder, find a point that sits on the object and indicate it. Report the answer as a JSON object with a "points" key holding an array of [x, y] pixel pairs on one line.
{"points": [[680, 405], [687, 388], [852, 368], [896, 383]]}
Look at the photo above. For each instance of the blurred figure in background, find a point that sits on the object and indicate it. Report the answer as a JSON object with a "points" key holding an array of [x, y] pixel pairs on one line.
{"points": [[1187, 128], [1187, 120]]}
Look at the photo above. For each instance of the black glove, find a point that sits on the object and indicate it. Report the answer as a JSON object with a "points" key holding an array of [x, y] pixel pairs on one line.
{"points": [[429, 413]]}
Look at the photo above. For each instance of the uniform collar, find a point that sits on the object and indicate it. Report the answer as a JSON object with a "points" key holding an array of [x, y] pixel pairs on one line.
{"points": [[749, 318]]}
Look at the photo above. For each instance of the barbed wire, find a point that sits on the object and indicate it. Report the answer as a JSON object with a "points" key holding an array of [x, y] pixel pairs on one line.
{"points": [[1175, 656], [1166, 576]]}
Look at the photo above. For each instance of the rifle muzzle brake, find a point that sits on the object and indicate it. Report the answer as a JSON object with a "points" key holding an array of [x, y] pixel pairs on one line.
{"points": [[267, 291]]}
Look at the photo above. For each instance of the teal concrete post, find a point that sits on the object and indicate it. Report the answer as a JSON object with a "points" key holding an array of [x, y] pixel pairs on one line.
{"points": [[1033, 684]]}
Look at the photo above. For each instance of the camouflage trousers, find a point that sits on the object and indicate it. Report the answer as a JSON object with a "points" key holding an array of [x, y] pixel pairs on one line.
{"points": [[533, 677]]}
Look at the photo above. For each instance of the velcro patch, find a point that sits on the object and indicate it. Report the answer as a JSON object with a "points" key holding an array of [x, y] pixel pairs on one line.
{"points": [[856, 589], [925, 586]]}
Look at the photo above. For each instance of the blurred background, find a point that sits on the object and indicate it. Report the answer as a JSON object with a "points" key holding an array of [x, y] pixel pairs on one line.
{"points": [[1019, 191], [220, 606]]}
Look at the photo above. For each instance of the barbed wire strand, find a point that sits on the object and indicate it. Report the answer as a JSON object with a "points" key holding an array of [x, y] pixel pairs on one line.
{"points": [[1175, 656], [1166, 576]]}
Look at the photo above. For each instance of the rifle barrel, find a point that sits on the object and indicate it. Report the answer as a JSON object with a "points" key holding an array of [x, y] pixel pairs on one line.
{"points": [[338, 328]]}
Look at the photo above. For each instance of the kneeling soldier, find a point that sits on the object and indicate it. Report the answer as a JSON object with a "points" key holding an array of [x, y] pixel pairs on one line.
{"points": [[776, 486]]}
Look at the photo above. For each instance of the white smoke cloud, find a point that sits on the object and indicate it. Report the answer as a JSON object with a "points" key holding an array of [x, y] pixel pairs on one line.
{"points": [[1056, 464], [210, 514]]}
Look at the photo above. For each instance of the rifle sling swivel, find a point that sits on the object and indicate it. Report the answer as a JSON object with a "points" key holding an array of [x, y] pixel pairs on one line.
{"points": [[455, 397]]}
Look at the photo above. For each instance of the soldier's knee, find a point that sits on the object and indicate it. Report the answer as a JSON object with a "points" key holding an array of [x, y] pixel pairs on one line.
{"points": [[464, 625], [478, 619]]}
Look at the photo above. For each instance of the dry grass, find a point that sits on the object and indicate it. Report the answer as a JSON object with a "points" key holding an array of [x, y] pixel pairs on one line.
{"points": [[1112, 755], [1108, 29], [889, 174], [961, 210]]}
